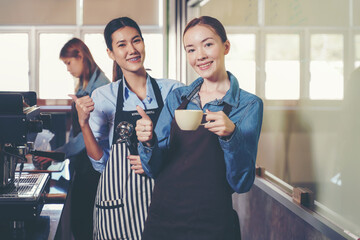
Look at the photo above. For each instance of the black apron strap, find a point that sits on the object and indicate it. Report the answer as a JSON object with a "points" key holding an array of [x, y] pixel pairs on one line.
{"points": [[157, 92], [227, 107], [119, 107], [187, 99]]}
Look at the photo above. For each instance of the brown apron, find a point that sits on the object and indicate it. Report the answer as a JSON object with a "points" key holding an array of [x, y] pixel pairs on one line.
{"points": [[191, 198]]}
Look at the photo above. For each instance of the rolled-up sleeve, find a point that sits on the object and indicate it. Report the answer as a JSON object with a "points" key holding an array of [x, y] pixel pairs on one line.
{"points": [[100, 128]]}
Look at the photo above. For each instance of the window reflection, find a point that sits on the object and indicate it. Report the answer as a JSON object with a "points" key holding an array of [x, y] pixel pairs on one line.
{"points": [[357, 50], [282, 66], [241, 60], [326, 66], [14, 59]]}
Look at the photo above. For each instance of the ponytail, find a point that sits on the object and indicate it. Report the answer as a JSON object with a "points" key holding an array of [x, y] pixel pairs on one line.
{"points": [[117, 72]]}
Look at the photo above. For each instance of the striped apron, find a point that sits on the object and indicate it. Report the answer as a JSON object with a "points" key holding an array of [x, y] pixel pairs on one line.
{"points": [[123, 196]]}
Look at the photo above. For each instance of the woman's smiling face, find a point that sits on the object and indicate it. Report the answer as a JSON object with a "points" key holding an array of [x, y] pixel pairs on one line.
{"points": [[205, 51], [128, 49]]}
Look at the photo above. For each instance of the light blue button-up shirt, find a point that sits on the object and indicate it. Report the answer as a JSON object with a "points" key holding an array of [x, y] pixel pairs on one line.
{"points": [[103, 117], [240, 149]]}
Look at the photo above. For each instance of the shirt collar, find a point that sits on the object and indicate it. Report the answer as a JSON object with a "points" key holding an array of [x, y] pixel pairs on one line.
{"points": [[87, 90], [231, 97], [149, 90], [93, 76]]}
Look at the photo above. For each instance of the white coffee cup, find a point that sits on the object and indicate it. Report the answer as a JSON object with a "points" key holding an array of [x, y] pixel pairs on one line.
{"points": [[187, 119]]}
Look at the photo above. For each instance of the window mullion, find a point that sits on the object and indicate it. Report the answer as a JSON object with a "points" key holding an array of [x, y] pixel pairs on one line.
{"points": [[260, 64], [33, 61], [305, 74]]}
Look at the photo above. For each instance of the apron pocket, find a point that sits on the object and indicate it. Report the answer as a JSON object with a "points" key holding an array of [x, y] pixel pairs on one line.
{"points": [[110, 204]]}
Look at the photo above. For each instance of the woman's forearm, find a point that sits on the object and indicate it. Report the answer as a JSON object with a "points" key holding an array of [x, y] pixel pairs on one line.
{"points": [[92, 147]]}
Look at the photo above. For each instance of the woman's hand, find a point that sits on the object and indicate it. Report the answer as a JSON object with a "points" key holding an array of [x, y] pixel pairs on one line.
{"points": [[144, 127], [84, 107], [219, 123], [41, 163], [135, 164]]}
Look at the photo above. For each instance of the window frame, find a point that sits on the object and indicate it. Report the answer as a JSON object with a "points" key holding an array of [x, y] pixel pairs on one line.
{"points": [[78, 31]]}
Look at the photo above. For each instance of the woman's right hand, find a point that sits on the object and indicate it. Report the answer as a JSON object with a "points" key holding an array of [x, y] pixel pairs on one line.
{"points": [[144, 127], [84, 107]]}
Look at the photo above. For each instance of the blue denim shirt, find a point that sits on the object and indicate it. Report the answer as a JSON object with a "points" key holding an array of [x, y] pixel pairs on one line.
{"points": [[240, 149]]}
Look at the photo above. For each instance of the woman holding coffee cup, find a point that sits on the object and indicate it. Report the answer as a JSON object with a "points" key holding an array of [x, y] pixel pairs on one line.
{"points": [[197, 171]]}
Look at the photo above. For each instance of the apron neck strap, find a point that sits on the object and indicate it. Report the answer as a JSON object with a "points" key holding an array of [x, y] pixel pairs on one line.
{"points": [[157, 92], [227, 107], [155, 86], [187, 99]]}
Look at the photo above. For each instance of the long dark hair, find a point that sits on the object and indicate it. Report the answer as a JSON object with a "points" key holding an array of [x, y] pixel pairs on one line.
{"points": [[110, 28], [74, 48], [215, 24]]}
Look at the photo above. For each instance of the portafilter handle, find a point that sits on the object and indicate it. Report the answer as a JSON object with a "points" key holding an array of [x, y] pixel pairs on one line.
{"points": [[56, 156]]}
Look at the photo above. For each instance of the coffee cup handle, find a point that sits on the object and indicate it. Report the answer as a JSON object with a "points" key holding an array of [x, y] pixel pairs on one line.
{"points": [[202, 124]]}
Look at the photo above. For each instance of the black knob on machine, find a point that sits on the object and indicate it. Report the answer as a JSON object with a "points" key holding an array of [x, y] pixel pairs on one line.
{"points": [[46, 120], [35, 126]]}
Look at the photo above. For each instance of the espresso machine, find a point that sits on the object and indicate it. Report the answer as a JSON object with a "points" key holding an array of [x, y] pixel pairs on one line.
{"points": [[21, 194]]}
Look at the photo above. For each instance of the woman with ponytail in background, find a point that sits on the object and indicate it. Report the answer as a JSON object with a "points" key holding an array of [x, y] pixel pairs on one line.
{"points": [[84, 179], [124, 192]]}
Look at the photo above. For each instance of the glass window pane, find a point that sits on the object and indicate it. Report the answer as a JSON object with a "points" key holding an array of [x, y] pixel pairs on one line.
{"points": [[96, 44], [306, 13], [233, 13], [357, 50], [326, 66], [14, 62], [55, 82], [282, 66], [356, 15], [241, 60], [154, 47]]}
